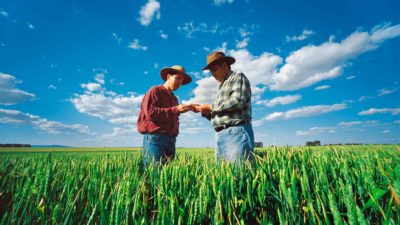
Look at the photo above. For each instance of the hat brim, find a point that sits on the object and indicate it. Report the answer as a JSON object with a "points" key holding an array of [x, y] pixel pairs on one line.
{"points": [[164, 73], [227, 59]]}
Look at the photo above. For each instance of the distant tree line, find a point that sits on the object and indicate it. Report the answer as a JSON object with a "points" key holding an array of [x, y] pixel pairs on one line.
{"points": [[15, 146], [313, 143]]}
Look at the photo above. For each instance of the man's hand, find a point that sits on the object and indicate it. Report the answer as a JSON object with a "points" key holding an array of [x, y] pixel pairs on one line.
{"points": [[182, 108], [195, 108], [204, 108]]}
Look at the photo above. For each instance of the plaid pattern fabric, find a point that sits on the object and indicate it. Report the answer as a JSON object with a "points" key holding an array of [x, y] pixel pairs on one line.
{"points": [[233, 102]]}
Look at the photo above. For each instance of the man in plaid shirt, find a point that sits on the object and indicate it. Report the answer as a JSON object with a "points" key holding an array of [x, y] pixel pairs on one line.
{"points": [[230, 113]]}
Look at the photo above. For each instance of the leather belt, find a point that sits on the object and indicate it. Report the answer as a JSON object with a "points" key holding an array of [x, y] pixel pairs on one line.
{"points": [[223, 127]]}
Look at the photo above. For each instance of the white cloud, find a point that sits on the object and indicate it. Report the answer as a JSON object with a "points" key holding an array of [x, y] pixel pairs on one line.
{"points": [[323, 87], [350, 77], [120, 132], [190, 28], [364, 123], [315, 131], [243, 43], [9, 95], [306, 34], [258, 69], [52, 87], [364, 98], [312, 64], [116, 37], [137, 46], [282, 100], [385, 131], [92, 86], [30, 26], [220, 2], [386, 91], [204, 92], [103, 106], [163, 35], [257, 123], [192, 123], [306, 111], [16, 117], [3, 13], [96, 101], [371, 111], [148, 11], [100, 78]]}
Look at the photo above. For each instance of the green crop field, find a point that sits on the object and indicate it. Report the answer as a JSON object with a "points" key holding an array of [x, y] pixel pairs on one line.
{"points": [[287, 185]]}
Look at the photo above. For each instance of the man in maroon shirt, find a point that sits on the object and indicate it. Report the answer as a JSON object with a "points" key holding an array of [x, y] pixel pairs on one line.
{"points": [[159, 116]]}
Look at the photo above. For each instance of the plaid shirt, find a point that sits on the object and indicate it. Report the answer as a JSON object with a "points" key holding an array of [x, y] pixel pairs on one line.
{"points": [[233, 102]]}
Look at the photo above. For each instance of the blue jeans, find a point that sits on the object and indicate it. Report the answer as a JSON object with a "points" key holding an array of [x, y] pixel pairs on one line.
{"points": [[158, 148], [235, 143]]}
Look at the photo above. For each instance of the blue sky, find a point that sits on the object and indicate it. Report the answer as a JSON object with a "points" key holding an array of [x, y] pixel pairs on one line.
{"points": [[74, 72]]}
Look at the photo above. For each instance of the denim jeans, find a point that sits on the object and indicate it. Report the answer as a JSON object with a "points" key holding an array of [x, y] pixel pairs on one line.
{"points": [[158, 148], [235, 143]]}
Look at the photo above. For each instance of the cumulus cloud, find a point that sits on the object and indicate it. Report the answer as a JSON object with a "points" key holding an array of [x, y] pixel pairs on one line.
{"points": [[243, 43], [372, 111], [258, 69], [204, 92], [350, 77], [149, 11], [306, 34], [315, 131], [306, 111], [137, 46], [282, 100], [9, 94], [98, 102], [312, 64], [16, 117]]}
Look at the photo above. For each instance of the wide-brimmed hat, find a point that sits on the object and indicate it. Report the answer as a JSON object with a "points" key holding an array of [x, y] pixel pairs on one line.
{"points": [[217, 57], [175, 69]]}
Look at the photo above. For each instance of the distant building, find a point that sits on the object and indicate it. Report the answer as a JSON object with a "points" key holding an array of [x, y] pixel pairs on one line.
{"points": [[313, 143]]}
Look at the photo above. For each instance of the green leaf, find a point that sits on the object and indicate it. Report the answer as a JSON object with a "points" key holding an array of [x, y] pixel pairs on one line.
{"points": [[375, 196]]}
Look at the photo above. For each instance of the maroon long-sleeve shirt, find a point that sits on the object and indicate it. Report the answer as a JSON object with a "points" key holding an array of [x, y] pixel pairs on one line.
{"points": [[159, 113]]}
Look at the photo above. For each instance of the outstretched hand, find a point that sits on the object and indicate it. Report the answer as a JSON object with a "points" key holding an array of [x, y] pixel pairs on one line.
{"points": [[182, 108], [204, 108]]}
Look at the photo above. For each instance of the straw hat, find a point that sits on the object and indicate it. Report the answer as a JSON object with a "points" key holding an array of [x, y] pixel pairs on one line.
{"points": [[217, 57], [175, 69]]}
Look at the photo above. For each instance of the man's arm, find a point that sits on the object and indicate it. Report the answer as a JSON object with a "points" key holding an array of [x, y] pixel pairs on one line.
{"points": [[161, 114]]}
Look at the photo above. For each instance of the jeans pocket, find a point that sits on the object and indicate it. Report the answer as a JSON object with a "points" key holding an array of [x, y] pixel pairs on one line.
{"points": [[236, 130], [153, 137]]}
